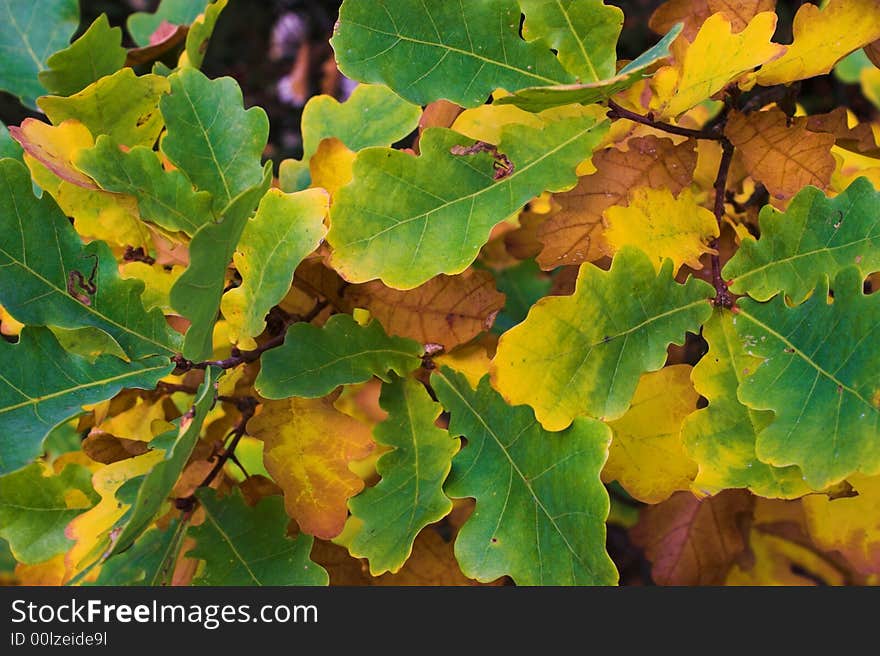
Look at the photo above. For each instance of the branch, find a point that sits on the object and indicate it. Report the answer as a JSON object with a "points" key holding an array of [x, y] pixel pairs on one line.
{"points": [[615, 111], [246, 405], [723, 297], [241, 357]]}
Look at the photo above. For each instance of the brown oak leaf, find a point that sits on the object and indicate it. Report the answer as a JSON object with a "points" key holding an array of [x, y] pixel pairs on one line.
{"points": [[573, 235], [692, 541], [785, 157], [446, 310], [694, 12]]}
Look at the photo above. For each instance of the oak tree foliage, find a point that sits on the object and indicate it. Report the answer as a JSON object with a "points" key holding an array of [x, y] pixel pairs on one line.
{"points": [[516, 290]]}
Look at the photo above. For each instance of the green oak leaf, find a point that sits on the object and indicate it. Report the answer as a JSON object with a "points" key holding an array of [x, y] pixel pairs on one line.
{"points": [[541, 506], [42, 385], [244, 545], [200, 32], [430, 49], [141, 25], [815, 237], [9, 147], [410, 495], [30, 32], [155, 486], [372, 116], [721, 437], [35, 508], [819, 375], [584, 34], [313, 361], [166, 198], [148, 561], [584, 353], [285, 229], [211, 137], [539, 98], [96, 53], [197, 293], [405, 219], [39, 256], [88, 342], [123, 106]]}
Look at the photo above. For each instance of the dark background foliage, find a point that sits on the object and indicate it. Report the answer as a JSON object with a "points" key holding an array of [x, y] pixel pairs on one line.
{"points": [[278, 52]]}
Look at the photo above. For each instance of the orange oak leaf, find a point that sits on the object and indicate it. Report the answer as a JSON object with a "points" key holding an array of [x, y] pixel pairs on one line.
{"points": [[446, 310], [784, 157], [858, 138], [694, 12], [308, 445], [573, 235], [692, 541]]}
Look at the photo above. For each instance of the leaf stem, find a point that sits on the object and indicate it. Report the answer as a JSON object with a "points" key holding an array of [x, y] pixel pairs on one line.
{"points": [[723, 297], [615, 111]]}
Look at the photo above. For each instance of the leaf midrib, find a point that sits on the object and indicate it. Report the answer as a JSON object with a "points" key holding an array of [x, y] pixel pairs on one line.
{"points": [[799, 352], [485, 60], [72, 390]]}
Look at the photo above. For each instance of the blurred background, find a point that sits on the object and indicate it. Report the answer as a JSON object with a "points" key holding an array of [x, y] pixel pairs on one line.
{"points": [[278, 51]]}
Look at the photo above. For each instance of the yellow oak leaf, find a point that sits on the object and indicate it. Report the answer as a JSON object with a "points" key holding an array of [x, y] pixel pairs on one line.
{"points": [[446, 310], [157, 280], [308, 447], [693, 14], [850, 525], [55, 147], [331, 165], [784, 156], [142, 422], [822, 37], [714, 59], [574, 234], [96, 213], [781, 552], [647, 456], [52, 572], [91, 530], [471, 360], [662, 225]]}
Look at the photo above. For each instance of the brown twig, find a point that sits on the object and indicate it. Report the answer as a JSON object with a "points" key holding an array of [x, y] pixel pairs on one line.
{"points": [[723, 297], [241, 357], [246, 405], [615, 111]]}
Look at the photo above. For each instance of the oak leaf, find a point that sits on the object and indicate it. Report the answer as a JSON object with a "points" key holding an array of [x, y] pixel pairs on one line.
{"points": [[308, 447], [849, 525], [782, 154], [574, 234], [446, 310], [692, 541], [663, 225], [699, 73], [389, 515], [693, 13], [721, 438], [647, 456], [821, 38], [584, 354]]}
